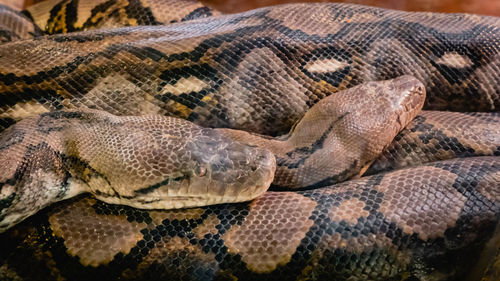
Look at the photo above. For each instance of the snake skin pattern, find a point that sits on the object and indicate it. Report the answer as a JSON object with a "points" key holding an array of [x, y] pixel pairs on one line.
{"points": [[439, 135], [334, 141], [260, 71], [158, 162], [148, 161], [367, 229]]}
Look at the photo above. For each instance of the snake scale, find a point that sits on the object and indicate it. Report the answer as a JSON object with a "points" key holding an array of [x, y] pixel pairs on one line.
{"points": [[428, 209]]}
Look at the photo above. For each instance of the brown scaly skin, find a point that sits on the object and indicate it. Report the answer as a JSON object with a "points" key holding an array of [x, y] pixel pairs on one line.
{"points": [[159, 162], [422, 223], [458, 74], [335, 140], [258, 71], [16, 26], [178, 250], [440, 135], [147, 161], [56, 16]]}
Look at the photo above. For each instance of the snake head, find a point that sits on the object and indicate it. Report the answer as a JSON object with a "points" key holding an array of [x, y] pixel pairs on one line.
{"points": [[225, 170], [169, 163], [383, 109], [342, 134]]}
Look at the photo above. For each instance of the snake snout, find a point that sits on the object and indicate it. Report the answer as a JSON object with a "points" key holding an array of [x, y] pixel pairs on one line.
{"points": [[410, 93], [254, 158], [411, 90], [242, 172]]}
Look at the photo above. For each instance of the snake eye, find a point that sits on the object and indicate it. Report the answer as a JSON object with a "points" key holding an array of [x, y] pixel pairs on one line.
{"points": [[200, 171]]}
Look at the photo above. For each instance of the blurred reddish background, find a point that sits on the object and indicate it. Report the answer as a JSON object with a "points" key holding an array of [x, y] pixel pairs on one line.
{"points": [[485, 7]]}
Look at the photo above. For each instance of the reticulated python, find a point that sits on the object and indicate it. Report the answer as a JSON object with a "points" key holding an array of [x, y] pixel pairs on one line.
{"points": [[260, 71]]}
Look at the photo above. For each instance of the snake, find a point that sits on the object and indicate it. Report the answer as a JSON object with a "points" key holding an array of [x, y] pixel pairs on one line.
{"points": [[426, 209]]}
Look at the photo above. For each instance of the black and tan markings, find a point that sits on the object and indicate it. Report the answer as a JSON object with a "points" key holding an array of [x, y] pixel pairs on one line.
{"points": [[297, 157], [60, 154], [351, 230], [434, 136], [55, 16], [15, 26], [190, 69], [321, 234], [46, 158]]}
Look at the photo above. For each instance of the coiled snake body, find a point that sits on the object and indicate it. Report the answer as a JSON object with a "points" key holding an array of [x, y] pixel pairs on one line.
{"points": [[261, 71]]}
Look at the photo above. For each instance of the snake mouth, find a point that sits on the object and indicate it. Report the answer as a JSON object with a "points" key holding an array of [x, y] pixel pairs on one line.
{"points": [[259, 180]]}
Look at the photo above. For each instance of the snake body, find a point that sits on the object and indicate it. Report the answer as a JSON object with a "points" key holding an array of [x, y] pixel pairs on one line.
{"points": [[366, 229], [263, 71]]}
